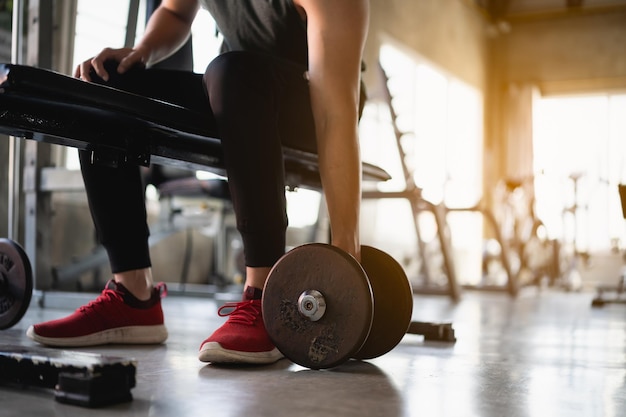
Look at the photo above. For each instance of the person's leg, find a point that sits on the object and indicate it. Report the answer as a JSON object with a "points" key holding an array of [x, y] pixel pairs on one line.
{"points": [[259, 104], [129, 308], [247, 94], [116, 195]]}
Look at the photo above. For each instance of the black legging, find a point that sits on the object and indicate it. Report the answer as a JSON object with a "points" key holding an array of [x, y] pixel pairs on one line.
{"points": [[258, 104]]}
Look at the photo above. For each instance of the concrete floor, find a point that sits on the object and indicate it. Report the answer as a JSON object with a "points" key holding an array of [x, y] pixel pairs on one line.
{"points": [[545, 353]]}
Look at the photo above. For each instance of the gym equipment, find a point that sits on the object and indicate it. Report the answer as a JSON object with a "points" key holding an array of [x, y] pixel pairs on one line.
{"points": [[439, 332], [322, 308], [317, 306], [611, 294], [119, 127], [16, 283], [78, 378], [614, 294]]}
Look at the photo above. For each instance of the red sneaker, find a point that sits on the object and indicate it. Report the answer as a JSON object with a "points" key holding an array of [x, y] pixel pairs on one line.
{"points": [[242, 339], [116, 316]]}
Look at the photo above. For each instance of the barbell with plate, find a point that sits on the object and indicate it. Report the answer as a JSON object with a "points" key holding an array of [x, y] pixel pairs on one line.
{"points": [[322, 308], [16, 283]]}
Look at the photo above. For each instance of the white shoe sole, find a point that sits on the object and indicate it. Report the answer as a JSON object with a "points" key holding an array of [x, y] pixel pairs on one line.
{"points": [[139, 335], [213, 352]]}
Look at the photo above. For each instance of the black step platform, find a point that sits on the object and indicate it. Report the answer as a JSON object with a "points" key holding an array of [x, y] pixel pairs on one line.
{"points": [[79, 378]]}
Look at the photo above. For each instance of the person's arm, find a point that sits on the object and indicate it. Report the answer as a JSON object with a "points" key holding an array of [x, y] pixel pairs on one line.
{"points": [[336, 35], [166, 31]]}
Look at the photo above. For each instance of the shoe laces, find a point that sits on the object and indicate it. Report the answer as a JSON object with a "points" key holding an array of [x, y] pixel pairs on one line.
{"points": [[243, 312], [113, 291], [107, 295]]}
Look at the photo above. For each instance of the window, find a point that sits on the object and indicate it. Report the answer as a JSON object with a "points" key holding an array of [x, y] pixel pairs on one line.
{"points": [[206, 41], [441, 117], [99, 25], [580, 157]]}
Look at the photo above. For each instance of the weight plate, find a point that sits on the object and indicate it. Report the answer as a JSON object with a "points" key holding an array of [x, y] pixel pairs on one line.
{"points": [[311, 278], [16, 283], [393, 302]]}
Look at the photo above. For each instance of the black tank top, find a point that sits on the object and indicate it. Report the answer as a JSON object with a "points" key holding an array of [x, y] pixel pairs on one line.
{"points": [[268, 26]]}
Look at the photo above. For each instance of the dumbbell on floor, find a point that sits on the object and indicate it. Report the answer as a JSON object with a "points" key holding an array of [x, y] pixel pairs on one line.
{"points": [[322, 308]]}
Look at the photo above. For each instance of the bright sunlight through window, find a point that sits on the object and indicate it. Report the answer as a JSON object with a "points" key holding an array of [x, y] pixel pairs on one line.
{"points": [[441, 120], [580, 158]]}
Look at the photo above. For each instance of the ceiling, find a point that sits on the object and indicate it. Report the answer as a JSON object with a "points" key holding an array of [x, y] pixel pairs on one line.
{"points": [[511, 9]]}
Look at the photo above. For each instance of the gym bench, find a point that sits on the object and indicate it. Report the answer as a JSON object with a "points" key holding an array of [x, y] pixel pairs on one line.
{"points": [[117, 126], [121, 127]]}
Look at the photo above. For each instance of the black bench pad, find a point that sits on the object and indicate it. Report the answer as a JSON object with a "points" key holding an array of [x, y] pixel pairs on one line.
{"points": [[54, 108]]}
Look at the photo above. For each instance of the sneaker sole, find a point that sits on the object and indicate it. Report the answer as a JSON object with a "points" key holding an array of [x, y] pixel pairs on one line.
{"points": [[213, 352], [139, 335]]}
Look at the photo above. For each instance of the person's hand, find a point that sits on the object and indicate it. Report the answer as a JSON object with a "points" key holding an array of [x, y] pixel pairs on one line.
{"points": [[126, 57]]}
